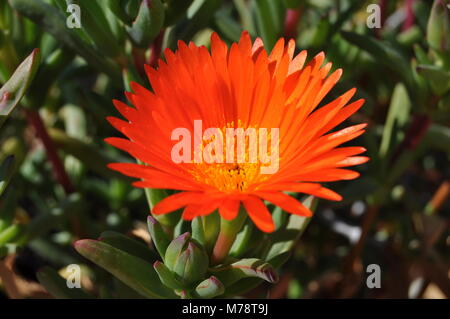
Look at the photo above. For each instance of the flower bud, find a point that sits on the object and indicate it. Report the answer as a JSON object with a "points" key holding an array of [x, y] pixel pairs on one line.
{"points": [[187, 259], [174, 249]]}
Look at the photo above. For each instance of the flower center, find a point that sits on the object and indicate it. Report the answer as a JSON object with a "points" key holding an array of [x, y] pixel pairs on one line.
{"points": [[228, 177], [232, 158]]}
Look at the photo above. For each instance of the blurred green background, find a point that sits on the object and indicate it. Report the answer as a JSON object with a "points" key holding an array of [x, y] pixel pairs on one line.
{"points": [[56, 187]]}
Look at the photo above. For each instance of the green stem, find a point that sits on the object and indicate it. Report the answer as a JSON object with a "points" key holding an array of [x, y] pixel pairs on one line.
{"points": [[227, 236]]}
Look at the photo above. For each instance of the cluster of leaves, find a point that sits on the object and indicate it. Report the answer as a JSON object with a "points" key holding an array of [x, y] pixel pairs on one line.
{"points": [[395, 215]]}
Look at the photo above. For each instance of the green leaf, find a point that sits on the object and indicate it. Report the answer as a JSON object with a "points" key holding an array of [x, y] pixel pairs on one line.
{"points": [[131, 246], [133, 271], [245, 268], [438, 28], [159, 237], [269, 20], [57, 285], [211, 226], [52, 20], [198, 232], [344, 16], [242, 242], [246, 15], [247, 284], [421, 55], [209, 288], [130, 74], [154, 196], [119, 11], [166, 276], [11, 233], [438, 78], [279, 217], [285, 238], [227, 25], [398, 115], [175, 248], [382, 53], [6, 172], [14, 89], [148, 23], [192, 264], [96, 26]]}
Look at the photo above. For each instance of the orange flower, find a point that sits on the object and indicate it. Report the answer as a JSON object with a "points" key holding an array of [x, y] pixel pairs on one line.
{"points": [[241, 87]]}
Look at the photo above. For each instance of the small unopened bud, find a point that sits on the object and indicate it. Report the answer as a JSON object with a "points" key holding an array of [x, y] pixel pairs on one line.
{"points": [[187, 259], [175, 248]]}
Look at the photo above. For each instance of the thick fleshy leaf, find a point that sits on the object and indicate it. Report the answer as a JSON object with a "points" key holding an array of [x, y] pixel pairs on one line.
{"points": [[285, 238], [211, 226], [118, 9], [14, 89], [438, 78], [198, 232], [148, 23], [245, 12], [131, 246], [227, 25], [159, 237], [269, 18], [166, 276], [245, 268], [175, 248], [57, 285], [133, 271], [397, 117], [438, 29], [242, 242], [154, 196], [209, 288], [96, 25], [192, 264]]}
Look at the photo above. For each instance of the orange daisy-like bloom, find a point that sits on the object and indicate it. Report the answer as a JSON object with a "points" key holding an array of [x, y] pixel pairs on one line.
{"points": [[239, 87]]}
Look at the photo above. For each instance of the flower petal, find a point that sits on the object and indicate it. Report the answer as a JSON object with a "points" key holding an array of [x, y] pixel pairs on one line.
{"points": [[229, 209], [259, 214], [176, 201], [286, 202]]}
